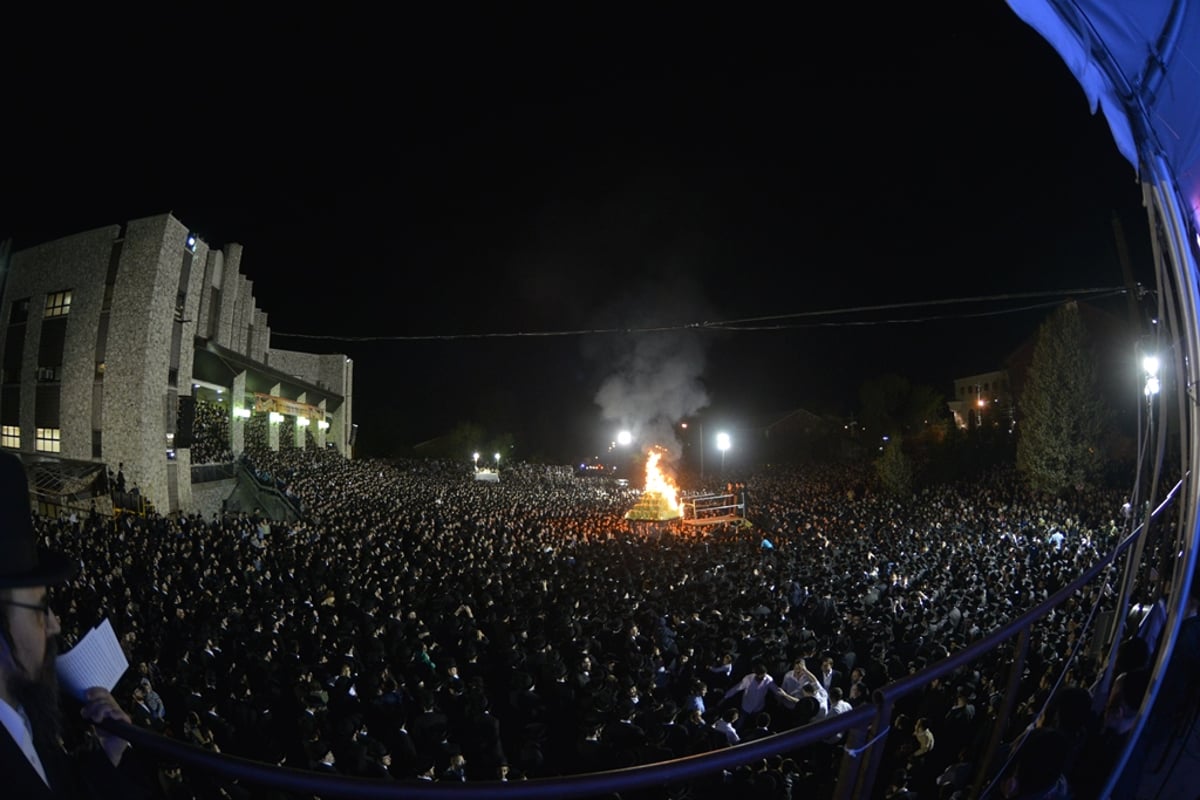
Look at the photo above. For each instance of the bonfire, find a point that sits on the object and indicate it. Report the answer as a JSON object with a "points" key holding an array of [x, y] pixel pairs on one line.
{"points": [[660, 498]]}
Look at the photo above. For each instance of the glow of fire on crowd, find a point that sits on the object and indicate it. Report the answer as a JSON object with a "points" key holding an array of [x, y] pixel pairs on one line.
{"points": [[660, 499]]}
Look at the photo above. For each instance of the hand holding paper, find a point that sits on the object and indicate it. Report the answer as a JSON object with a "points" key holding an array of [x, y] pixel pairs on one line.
{"points": [[96, 661]]}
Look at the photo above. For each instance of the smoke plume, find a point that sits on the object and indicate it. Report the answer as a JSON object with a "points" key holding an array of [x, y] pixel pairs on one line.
{"points": [[657, 383]]}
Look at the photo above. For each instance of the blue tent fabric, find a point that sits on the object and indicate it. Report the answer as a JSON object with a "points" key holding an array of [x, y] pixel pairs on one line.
{"points": [[1138, 61]]}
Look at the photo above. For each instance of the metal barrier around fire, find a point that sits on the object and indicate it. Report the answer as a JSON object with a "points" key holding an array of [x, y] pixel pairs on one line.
{"points": [[712, 509]]}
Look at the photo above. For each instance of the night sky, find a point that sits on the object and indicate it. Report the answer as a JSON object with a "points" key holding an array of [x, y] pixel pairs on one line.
{"points": [[495, 172]]}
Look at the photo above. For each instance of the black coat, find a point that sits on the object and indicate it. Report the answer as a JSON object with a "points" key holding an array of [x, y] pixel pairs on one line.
{"points": [[87, 775]]}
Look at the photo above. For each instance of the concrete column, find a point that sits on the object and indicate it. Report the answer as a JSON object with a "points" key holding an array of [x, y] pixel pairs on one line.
{"points": [[238, 399], [273, 427], [319, 433], [300, 430]]}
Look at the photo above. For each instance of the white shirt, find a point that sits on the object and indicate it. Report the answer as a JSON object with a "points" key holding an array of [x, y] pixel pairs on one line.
{"points": [[822, 701], [793, 682], [840, 707], [724, 727], [18, 727], [754, 693]]}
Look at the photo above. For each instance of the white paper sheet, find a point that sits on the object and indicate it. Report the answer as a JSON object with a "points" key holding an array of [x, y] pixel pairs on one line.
{"points": [[96, 661]]}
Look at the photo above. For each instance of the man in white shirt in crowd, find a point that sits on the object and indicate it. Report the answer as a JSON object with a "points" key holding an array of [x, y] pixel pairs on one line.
{"points": [[754, 689], [725, 725]]}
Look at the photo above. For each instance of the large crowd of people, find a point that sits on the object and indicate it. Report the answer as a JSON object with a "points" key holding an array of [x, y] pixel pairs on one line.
{"points": [[210, 433], [419, 624]]}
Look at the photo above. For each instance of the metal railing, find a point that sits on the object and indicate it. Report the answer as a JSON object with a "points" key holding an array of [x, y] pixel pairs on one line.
{"points": [[205, 473]]}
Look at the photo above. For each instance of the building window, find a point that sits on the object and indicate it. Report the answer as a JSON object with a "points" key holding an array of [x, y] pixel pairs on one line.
{"points": [[19, 312], [49, 374], [58, 304], [49, 440], [97, 442], [10, 436]]}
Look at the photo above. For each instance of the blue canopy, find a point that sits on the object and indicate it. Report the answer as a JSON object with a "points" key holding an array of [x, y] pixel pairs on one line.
{"points": [[1138, 61]]}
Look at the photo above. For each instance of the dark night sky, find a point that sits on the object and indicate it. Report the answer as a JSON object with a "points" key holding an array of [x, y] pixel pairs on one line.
{"points": [[497, 172]]}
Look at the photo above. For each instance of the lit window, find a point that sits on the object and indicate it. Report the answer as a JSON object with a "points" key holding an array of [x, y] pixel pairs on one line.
{"points": [[58, 304], [49, 440], [10, 436]]}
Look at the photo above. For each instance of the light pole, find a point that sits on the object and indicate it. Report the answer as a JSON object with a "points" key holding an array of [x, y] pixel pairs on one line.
{"points": [[475, 456], [723, 445], [497, 462]]}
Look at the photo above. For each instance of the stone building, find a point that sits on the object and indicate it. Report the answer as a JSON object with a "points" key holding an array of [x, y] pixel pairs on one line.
{"points": [[110, 338], [983, 399]]}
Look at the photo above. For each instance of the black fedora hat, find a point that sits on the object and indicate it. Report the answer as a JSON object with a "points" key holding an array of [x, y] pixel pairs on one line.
{"points": [[22, 562]]}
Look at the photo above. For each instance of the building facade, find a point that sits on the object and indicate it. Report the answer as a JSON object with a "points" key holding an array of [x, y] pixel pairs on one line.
{"points": [[108, 336], [983, 399]]}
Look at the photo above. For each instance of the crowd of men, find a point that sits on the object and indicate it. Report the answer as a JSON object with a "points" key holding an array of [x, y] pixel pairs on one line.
{"points": [[422, 625], [210, 433]]}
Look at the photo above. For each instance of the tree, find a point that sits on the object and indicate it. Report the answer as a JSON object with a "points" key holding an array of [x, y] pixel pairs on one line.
{"points": [[894, 469], [465, 438], [891, 405], [1063, 415]]}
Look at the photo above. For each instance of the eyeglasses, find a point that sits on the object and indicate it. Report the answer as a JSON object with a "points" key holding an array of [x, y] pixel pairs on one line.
{"points": [[43, 606]]}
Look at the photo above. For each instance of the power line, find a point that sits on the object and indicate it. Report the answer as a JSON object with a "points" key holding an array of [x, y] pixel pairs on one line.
{"points": [[911, 320], [744, 324]]}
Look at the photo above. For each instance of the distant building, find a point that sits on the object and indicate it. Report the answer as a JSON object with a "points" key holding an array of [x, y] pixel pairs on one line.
{"points": [[983, 399], [992, 397], [114, 338]]}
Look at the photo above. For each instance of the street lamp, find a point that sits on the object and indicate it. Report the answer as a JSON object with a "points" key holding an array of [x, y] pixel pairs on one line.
{"points": [[475, 456], [722, 445], [1150, 365], [497, 462]]}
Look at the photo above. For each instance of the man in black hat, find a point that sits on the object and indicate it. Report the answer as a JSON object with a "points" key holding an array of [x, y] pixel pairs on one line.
{"points": [[32, 760]]}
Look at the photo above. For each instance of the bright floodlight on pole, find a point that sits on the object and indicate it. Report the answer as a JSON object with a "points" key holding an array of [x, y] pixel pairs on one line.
{"points": [[497, 456], [624, 438], [475, 456], [723, 443], [1150, 365]]}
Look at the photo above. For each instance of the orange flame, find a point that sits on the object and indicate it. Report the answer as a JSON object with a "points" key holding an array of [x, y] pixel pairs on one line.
{"points": [[658, 482]]}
